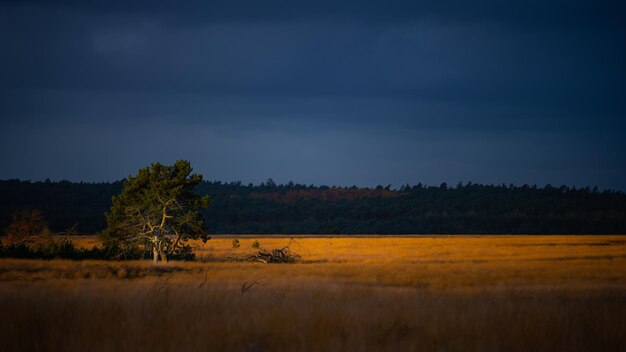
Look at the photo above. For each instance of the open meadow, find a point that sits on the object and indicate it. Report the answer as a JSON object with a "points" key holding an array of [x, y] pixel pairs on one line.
{"points": [[422, 293]]}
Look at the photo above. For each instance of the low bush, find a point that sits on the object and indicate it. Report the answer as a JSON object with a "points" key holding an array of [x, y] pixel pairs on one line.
{"points": [[64, 248]]}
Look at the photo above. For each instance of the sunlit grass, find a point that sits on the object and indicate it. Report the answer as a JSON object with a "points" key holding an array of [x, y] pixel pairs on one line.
{"points": [[390, 293]]}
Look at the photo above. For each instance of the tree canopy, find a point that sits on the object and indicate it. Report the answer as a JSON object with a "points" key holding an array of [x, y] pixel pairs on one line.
{"points": [[157, 211]]}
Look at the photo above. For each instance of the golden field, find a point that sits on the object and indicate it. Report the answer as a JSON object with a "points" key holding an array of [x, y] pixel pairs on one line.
{"points": [[438, 293]]}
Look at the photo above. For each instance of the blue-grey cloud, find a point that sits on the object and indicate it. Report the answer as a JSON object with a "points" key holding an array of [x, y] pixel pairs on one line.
{"points": [[365, 93]]}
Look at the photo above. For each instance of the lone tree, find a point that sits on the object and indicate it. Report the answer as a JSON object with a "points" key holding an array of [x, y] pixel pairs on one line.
{"points": [[156, 212]]}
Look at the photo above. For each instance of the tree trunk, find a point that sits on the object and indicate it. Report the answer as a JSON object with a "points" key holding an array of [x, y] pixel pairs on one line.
{"points": [[155, 249], [162, 253]]}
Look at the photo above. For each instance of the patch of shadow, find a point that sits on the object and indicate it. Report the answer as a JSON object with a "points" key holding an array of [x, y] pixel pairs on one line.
{"points": [[617, 242], [559, 259], [225, 259], [588, 244], [134, 272], [39, 273]]}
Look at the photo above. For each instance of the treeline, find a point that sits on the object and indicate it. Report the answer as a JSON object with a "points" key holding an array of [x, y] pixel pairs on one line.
{"points": [[65, 205], [294, 208]]}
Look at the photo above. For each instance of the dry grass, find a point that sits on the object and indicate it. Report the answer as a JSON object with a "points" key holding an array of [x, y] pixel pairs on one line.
{"points": [[421, 293]]}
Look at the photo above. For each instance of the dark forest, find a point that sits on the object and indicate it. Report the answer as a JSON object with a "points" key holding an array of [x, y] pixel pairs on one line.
{"points": [[270, 208]]}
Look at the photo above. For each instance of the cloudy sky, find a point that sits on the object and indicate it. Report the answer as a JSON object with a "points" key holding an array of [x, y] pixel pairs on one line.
{"points": [[321, 92]]}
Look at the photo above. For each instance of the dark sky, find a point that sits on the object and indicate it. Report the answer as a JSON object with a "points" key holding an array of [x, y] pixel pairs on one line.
{"points": [[322, 92]]}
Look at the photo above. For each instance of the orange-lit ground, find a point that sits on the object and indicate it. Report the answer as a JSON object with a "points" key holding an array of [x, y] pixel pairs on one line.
{"points": [[375, 293]]}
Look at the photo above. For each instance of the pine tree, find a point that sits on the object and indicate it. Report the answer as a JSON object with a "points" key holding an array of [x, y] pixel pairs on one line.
{"points": [[157, 211]]}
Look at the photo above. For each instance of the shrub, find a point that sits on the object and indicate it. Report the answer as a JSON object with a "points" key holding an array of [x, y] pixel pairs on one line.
{"points": [[25, 228], [184, 253]]}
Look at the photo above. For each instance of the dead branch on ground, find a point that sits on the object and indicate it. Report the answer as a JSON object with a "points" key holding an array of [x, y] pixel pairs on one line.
{"points": [[276, 255]]}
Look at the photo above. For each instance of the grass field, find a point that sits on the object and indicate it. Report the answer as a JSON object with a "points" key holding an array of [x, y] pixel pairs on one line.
{"points": [[444, 293]]}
